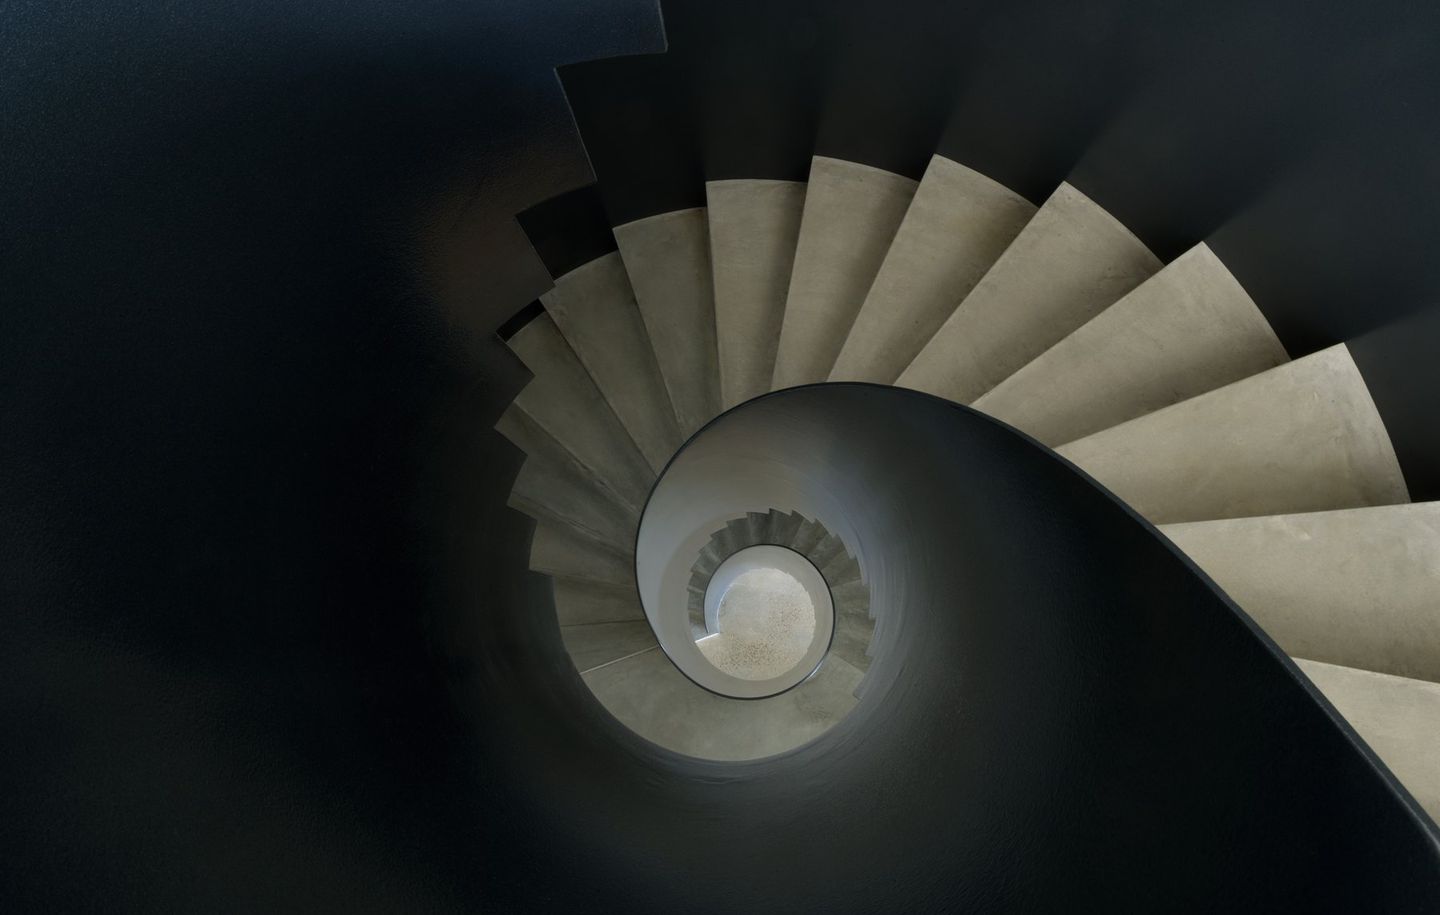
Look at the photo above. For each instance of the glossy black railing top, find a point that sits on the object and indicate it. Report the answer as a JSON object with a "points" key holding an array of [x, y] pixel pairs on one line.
{"points": [[1062, 711]]}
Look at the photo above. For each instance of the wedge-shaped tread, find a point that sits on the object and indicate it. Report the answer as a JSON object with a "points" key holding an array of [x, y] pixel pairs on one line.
{"points": [[652, 698], [564, 401], [851, 214], [668, 259], [579, 603], [1399, 718], [1359, 587], [563, 552], [958, 223], [553, 492], [1070, 262], [597, 644], [594, 307], [1304, 436], [754, 225], [1187, 330]]}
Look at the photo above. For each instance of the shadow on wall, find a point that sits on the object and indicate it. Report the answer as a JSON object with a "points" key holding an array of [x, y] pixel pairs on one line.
{"points": [[221, 366]]}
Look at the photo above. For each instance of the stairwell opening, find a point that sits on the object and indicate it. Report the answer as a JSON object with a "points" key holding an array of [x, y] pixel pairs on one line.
{"points": [[766, 602]]}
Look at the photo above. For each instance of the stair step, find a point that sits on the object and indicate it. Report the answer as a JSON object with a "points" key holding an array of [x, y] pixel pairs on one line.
{"points": [[757, 528], [807, 537], [563, 400], [547, 491], [784, 527], [650, 696], [594, 307], [562, 552], [852, 212], [1358, 587], [853, 631], [957, 224], [840, 570], [595, 644], [754, 226], [1070, 262], [1304, 436], [1189, 329], [580, 602], [830, 547], [668, 259], [1399, 718]]}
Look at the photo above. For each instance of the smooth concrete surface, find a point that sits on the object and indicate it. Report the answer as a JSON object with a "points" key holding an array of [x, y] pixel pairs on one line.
{"points": [[527, 435], [1189, 329], [1359, 588], [754, 226], [854, 630], [594, 644], [668, 259], [1070, 262], [652, 698], [563, 552], [1304, 436], [852, 212], [957, 224], [579, 603], [564, 401], [1399, 718], [594, 307], [553, 492]]}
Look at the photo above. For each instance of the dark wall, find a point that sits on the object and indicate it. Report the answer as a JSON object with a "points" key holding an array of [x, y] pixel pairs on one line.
{"points": [[1296, 138], [250, 258]]}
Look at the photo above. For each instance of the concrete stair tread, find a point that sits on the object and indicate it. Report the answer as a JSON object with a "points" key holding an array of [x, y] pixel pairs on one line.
{"points": [[1398, 717], [851, 214], [594, 308], [650, 696], [1069, 262], [1189, 329], [1357, 587], [668, 259], [594, 644], [563, 400], [579, 602], [754, 225], [1304, 436], [560, 551], [955, 227]]}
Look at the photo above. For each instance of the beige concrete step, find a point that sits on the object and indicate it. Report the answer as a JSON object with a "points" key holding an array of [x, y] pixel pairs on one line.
{"points": [[754, 226], [594, 307], [1399, 718], [563, 400], [1304, 436], [651, 697], [1358, 587], [1069, 262], [592, 645], [668, 259], [852, 212], [548, 491], [1189, 329], [579, 602], [958, 223], [564, 553]]}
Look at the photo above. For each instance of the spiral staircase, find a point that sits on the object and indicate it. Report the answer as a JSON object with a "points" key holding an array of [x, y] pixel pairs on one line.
{"points": [[1120, 598], [1163, 382]]}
